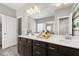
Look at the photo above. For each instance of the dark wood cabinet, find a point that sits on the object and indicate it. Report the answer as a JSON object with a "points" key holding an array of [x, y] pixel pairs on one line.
{"points": [[29, 47], [39, 48], [24, 47], [58, 50], [67, 51], [21, 45]]}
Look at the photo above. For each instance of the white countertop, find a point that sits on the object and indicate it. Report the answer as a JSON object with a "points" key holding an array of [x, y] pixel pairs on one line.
{"points": [[57, 39]]}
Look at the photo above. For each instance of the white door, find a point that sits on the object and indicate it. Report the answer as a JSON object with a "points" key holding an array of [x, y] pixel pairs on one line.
{"points": [[9, 32]]}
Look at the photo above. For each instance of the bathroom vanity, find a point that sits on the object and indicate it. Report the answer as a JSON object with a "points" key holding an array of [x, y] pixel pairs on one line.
{"points": [[54, 46]]}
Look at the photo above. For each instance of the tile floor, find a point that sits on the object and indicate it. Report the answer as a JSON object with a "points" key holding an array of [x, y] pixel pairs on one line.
{"points": [[11, 51]]}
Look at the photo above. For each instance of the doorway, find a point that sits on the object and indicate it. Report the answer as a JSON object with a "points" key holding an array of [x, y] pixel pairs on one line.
{"points": [[0, 31], [64, 26], [20, 26]]}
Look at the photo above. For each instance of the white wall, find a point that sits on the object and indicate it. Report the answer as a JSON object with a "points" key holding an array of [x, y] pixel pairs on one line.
{"points": [[7, 10], [32, 24], [22, 12], [24, 25]]}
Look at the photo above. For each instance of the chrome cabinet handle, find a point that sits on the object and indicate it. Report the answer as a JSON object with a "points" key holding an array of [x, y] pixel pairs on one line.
{"points": [[51, 48], [29, 41], [37, 52]]}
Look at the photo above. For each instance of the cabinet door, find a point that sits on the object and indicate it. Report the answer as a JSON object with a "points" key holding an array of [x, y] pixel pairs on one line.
{"points": [[21, 45], [28, 47]]}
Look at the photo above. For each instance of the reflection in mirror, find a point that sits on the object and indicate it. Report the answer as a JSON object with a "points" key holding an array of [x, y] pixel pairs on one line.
{"points": [[44, 24], [49, 27], [63, 26], [40, 27]]}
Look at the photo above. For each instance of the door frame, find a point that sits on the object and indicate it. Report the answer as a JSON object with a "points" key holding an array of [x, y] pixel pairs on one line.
{"points": [[70, 23], [3, 31], [1, 28], [21, 22]]}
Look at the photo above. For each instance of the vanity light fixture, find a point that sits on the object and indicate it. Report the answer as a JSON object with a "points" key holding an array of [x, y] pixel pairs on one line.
{"points": [[33, 10], [37, 9]]}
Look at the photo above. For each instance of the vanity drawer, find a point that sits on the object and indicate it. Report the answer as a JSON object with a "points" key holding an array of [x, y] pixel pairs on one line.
{"points": [[39, 48], [20, 39], [35, 48], [29, 41], [39, 44]]}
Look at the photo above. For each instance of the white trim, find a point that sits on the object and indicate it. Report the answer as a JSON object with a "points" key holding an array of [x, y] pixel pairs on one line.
{"points": [[63, 17], [21, 22], [19, 17], [58, 25]]}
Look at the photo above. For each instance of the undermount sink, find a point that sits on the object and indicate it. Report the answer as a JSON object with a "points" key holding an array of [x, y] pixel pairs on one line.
{"points": [[66, 40], [70, 40]]}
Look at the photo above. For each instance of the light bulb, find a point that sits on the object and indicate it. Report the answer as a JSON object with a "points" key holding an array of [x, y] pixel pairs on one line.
{"points": [[28, 11], [36, 8], [31, 9]]}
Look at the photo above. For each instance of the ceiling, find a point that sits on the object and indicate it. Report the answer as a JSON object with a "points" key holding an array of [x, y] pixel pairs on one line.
{"points": [[47, 9], [14, 5], [18, 5]]}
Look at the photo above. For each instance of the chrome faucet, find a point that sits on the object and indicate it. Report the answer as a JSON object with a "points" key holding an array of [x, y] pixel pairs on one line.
{"points": [[69, 36]]}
